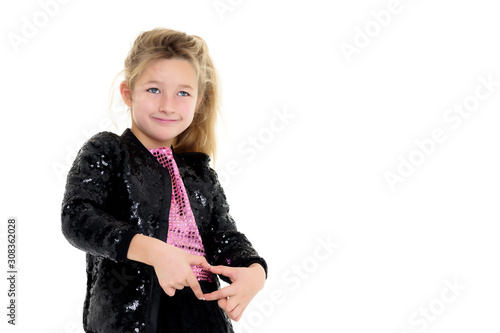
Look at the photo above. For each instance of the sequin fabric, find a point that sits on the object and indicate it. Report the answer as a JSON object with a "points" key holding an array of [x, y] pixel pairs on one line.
{"points": [[182, 230], [116, 189]]}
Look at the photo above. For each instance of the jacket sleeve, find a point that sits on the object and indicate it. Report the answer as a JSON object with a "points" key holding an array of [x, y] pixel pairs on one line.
{"points": [[232, 248], [86, 223]]}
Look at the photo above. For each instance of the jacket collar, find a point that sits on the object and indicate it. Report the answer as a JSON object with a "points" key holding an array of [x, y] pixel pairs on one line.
{"points": [[128, 136]]}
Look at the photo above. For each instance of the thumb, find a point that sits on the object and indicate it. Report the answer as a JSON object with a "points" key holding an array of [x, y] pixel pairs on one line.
{"points": [[224, 270]]}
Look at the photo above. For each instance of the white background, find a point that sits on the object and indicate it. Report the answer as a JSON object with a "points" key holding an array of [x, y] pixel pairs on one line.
{"points": [[318, 179]]}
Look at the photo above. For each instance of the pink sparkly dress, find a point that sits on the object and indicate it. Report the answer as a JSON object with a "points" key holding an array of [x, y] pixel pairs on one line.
{"points": [[182, 229]]}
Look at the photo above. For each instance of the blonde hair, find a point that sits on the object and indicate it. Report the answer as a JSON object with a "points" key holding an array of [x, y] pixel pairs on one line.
{"points": [[163, 43]]}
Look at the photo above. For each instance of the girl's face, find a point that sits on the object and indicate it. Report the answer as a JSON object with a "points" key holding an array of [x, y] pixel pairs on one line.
{"points": [[163, 102]]}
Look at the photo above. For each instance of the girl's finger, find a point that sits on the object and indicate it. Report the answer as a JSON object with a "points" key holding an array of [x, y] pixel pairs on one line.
{"points": [[195, 286], [232, 307], [170, 291], [178, 287], [233, 310], [222, 303], [199, 261], [239, 317], [220, 294]]}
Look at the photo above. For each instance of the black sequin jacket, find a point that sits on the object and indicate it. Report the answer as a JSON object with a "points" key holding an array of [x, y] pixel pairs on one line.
{"points": [[115, 189]]}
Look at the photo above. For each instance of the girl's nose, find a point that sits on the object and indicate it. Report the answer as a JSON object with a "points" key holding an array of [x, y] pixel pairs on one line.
{"points": [[166, 104]]}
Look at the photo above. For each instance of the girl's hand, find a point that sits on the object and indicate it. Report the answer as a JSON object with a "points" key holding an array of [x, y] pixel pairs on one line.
{"points": [[246, 283], [172, 265], [174, 272]]}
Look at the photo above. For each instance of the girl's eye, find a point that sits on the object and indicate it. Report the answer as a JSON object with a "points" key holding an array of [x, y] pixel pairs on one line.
{"points": [[182, 93], [154, 90]]}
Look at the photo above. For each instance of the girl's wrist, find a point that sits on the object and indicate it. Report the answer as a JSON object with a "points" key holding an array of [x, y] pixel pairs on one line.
{"points": [[145, 249], [259, 267], [259, 272]]}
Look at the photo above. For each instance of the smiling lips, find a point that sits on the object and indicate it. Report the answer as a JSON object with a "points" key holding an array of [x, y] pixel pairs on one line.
{"points": [[165, 121]]}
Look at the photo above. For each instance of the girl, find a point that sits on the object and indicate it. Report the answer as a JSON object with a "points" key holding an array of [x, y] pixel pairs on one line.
{"points": [[148, 209]]}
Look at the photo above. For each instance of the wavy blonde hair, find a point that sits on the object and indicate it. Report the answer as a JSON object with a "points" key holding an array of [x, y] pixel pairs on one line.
{"points": [[163, 43]]}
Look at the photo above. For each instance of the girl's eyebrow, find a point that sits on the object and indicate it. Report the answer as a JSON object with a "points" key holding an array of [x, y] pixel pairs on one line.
{"points": [[186, 86], [152, 81], [183, 86]]}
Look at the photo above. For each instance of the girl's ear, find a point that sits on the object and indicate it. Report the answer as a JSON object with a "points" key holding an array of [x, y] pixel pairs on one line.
{"points": [[126, 93]]}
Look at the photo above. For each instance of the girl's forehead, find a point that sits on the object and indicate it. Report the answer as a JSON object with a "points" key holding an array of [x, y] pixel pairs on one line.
{"points": [[171, 65], [163, 69]]}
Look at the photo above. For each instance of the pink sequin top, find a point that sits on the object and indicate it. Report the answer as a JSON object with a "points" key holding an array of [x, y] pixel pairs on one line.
{"points": [[182, 229]]}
